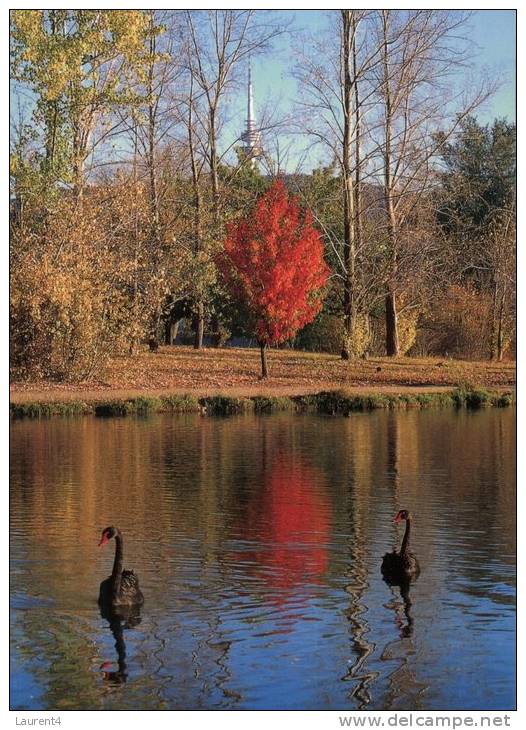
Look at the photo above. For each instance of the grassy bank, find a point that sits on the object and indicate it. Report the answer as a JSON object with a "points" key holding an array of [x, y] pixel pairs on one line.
{"points": [[235, 372], [226, 381], [326, 402]]}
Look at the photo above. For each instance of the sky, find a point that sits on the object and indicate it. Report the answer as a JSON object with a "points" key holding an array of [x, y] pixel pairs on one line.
{"points": [[492, 32]]}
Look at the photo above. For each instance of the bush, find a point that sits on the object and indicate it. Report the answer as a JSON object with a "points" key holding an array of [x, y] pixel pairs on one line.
{"points": [[456, 323], [180, 403], [327, 334], [408, 321], [324, 334], [407, 329], [70, 308]]}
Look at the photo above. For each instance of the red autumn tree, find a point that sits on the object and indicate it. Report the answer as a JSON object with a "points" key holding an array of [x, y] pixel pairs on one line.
{"points": [[273, 262]]}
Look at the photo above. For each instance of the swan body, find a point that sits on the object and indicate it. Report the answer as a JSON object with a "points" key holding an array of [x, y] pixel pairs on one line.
{"points": [[401, 566], [121, 589]]}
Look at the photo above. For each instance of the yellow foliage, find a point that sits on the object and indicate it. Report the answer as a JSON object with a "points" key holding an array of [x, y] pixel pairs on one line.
{"points": [[407, 328], [358, 342]]}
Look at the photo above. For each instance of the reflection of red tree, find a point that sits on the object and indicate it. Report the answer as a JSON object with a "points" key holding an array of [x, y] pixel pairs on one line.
{"points": [[290, 519]]}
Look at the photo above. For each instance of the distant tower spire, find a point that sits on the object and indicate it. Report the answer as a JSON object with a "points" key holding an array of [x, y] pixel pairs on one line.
{"points": [[251, 136], [250, 107]]}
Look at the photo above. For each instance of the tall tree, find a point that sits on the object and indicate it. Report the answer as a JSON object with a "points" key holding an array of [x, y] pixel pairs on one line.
{"points": [[151, 121], [336, 98], [77, 64]]}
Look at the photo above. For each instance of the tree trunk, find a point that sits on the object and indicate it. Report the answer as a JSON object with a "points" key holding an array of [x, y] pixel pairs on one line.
{"points": [[135, 277], [214, 327], [152, 124], [349, 249], [349, 318], [391, 328], [199, 326], [197, 203], [173, 330], [391, 316], [214, 176], [263, 352]]}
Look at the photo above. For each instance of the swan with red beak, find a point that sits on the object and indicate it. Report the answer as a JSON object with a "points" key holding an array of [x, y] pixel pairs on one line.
{"points": [[121, 589], [401, 566]]}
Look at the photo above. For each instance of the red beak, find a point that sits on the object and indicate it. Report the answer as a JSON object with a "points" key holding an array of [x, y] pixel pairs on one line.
{"points": [[397, 518], [104, 539]]}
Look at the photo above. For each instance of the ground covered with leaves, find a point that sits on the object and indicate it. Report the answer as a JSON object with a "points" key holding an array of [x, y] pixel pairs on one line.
{"points": [[236, 372]]}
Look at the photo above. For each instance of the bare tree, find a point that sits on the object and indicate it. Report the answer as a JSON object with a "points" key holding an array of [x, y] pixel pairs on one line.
{"points": [[376, 103], [336, 101], [420, 52]]}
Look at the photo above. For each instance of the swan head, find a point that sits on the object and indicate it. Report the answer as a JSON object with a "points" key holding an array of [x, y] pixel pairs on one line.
{"points": [[107, 534], [402, 515]]}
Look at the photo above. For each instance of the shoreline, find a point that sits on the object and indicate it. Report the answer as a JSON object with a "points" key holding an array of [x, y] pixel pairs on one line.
{"points": [[181, 379], [329, 402]]}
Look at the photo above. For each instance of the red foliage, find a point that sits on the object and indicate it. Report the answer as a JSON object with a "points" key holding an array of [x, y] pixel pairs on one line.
{"points": [[273, 261], [290, 519]]}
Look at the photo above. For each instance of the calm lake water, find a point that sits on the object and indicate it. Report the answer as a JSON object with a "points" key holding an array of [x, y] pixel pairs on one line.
{"points": [[258, 543]]}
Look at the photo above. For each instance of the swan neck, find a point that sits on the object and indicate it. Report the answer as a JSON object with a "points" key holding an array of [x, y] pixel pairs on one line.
{"points": [[117, 563], [405, 541]]}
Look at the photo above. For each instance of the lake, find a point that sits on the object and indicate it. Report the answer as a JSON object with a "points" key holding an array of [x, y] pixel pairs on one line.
{"points": [[258, 542]]}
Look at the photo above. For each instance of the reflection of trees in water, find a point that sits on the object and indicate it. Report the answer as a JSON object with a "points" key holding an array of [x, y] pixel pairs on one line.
{"points": [[355, 472], [356, 613], [183, 488], [60, 652], [402, 463], [289, 519], [211, 653]]}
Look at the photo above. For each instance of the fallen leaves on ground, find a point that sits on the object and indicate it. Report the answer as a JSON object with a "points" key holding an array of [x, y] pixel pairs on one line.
{"points": [[237, 371]]}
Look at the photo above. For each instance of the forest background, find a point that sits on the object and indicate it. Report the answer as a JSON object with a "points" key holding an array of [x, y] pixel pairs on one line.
{"points": [[126, 175]]}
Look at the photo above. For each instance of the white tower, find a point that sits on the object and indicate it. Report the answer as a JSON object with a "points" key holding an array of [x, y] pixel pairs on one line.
{"points": [[251, 136]]}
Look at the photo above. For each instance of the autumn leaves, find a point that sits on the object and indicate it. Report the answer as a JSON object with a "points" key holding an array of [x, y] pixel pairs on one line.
{"points": [[273, 263]]}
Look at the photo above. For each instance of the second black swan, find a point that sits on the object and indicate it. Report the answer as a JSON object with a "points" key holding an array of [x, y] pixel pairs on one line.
{"points": [[401, 566], [121, 589]]}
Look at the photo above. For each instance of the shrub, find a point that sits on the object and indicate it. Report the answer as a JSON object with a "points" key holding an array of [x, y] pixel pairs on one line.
{"points": [[324, 334], [457, 323]]}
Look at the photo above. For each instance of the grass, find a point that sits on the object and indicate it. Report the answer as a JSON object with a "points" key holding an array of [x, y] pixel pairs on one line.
{"points": [[331, 403], [141, 406], [47, 409], [273, 404], [224, 405]]}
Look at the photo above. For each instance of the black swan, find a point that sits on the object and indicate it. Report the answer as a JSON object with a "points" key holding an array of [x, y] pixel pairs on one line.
{"points": [[121, 589], [400, 567]]}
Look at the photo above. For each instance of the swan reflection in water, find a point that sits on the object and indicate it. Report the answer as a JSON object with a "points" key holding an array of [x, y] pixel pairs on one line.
{"points": [[124, 618], [403, 615], [403, 682]]}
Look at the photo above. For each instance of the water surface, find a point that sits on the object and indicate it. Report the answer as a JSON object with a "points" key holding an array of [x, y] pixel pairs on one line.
{"points": [[258, 542]]}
